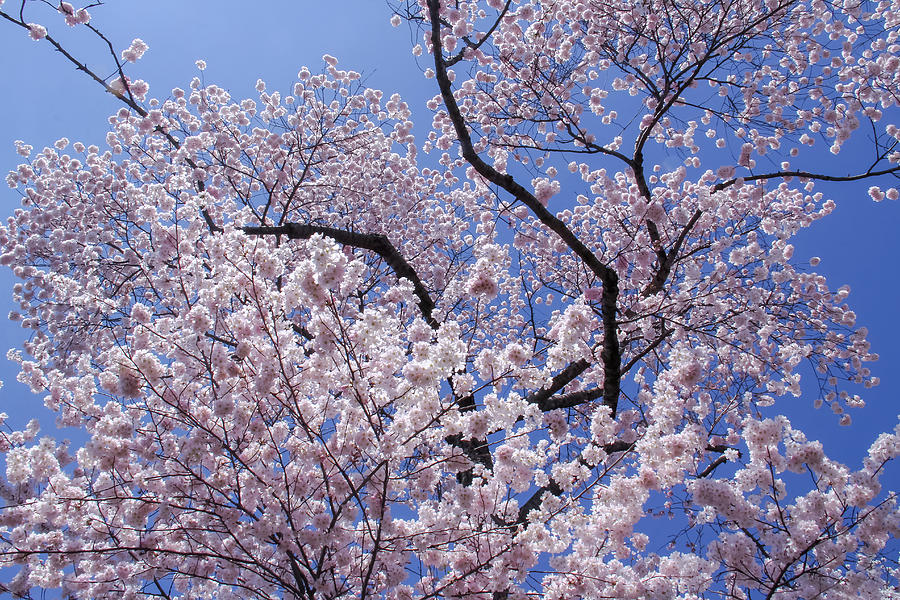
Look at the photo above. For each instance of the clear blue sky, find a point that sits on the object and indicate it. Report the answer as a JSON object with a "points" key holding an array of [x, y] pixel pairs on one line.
{"points": [[45, 98]]}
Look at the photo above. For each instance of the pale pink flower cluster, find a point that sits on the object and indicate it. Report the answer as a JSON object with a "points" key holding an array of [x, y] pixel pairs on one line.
{"points": [[571, 331], [135, 51], [544, 189], [74, 16], [481, 283], [517, 354], [37, 31]]}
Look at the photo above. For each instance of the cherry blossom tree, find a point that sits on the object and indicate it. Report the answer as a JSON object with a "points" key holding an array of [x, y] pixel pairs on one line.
{"points": [[315, 358]]}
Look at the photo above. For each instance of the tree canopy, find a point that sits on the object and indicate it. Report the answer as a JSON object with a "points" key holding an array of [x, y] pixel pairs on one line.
{"points": [[538, 353]]}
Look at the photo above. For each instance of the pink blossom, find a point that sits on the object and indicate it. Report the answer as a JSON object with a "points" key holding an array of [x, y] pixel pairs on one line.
{"points": [[139, 88], [37, 32], [135, 50], [690, 374], [746, 151], [482, 284], [517, 354], [69, 11], [876, 194], [544, 189]]}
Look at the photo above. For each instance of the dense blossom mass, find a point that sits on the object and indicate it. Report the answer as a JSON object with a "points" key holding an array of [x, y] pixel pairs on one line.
{"points": [[538, 354]]}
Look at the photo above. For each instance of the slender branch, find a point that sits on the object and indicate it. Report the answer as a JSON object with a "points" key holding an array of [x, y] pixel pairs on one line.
{"points": [[505, 181], [470, 45], [80, 66], [221, 340], [128, 100], [805, 175], [667, 259], [650, 347]]}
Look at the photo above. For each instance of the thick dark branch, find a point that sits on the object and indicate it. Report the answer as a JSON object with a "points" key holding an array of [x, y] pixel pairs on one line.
{"points": [[478, 451], [376, 243], [572, 400], [302, 331], [712, 467], [721, 448], [562, 379], [759, 545], [666, 260], [213, 228], [611, 354], [299, 578], [534, 502], [656, 240]]}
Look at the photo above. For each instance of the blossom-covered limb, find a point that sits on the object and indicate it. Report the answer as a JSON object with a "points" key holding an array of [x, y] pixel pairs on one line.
{"points": [[611, 353], [378, 244]]}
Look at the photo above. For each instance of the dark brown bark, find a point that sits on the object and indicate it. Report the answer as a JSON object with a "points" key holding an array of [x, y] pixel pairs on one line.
{"points": [[376, 243]]}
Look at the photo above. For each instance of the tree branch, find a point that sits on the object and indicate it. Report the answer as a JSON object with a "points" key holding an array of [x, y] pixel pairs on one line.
{"points": [[80, 66], [379, 244], [805, 175], [667, 259], [534, 502], [562, 379], [611, 353], [572, 400], [470, 45]]}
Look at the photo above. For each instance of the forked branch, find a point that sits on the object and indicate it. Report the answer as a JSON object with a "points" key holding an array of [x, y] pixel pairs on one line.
{"points": [[611, 353]]}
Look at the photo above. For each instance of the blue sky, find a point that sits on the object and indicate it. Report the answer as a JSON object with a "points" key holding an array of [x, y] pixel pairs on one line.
{"points": [[45, 98]]}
